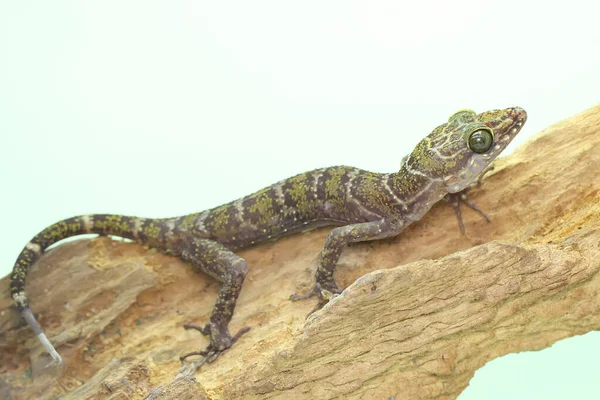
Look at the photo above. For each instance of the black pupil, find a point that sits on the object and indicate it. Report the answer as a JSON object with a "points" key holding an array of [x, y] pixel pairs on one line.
{"points": [[480, 141]]}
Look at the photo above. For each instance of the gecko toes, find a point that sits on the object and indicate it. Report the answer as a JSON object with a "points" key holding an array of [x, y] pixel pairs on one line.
{"points": [[220, 340]]}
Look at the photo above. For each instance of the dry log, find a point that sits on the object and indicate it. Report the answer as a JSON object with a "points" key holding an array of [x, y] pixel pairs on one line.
{"points": [[421, 313]]}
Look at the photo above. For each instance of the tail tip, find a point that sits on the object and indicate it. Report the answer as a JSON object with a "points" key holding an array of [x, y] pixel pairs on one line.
{"points": [[56, 358], [37, 329]]}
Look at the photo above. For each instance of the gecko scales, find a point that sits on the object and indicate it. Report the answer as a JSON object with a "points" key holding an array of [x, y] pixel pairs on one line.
{"points": [[362, 206]]}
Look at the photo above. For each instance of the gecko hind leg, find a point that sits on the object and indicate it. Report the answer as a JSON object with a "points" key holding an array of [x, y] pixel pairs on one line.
{"points": [[230, 269]]}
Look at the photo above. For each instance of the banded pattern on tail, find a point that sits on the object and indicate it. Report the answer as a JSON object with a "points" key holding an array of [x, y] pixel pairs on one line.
{"points": [[103, 224], [144, 230]]}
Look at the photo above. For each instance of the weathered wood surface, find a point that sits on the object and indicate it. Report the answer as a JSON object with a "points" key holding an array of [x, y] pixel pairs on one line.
{"points": [[428, 308]]}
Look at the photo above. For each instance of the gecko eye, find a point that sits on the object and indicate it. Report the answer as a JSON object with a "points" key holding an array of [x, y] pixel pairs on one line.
{"points": [[481, 140]]}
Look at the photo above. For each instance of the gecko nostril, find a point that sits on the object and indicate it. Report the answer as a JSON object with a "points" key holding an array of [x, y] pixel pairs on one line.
{"points": [[520, 114]]}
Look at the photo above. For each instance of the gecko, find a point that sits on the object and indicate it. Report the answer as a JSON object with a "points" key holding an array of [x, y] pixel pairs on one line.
{"points": [[360, 206]]}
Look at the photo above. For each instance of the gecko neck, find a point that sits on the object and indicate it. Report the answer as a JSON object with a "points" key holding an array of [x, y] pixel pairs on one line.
{"points": [[418, 191]]}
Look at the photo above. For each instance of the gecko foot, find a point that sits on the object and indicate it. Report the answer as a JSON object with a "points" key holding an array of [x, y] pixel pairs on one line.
{"points": [[454, 199], [220, 340], [324, 295]]}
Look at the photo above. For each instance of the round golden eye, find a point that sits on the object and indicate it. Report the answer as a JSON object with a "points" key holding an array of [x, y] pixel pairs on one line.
{"points": [[481, 141]]}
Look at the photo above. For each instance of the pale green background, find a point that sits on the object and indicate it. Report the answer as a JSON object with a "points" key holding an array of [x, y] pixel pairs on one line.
{"points": [[165, 108]]}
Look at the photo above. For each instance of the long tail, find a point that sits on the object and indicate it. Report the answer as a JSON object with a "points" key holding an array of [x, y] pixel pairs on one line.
{"points": [[139, 229]]}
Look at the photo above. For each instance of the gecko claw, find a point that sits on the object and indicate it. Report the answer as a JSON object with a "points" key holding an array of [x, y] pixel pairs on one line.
{"points": [[324, 295], [203, 330], [317, 307], [328, 296], [219, 342], [312, 293], [454, 199]]}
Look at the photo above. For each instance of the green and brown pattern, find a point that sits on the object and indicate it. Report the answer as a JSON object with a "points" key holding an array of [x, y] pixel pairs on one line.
{"points": [[362, 205]]}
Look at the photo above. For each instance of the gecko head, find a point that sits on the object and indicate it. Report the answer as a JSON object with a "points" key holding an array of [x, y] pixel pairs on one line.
{"points": [[459, 150]]}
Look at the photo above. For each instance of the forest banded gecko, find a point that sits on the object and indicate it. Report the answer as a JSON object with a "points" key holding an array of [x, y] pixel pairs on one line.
{"points": [[362, 205]]}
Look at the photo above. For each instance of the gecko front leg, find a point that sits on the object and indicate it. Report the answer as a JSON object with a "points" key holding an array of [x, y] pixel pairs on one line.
{"points": [[454, 199], [221, 263], [325, 287]]}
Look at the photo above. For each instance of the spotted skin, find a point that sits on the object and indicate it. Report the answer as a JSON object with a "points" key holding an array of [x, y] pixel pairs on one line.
{"points": [[362, 206]]}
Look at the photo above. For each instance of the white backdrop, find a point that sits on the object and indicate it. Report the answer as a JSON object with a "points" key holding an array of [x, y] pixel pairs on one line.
{"points": [[166, 108]]}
